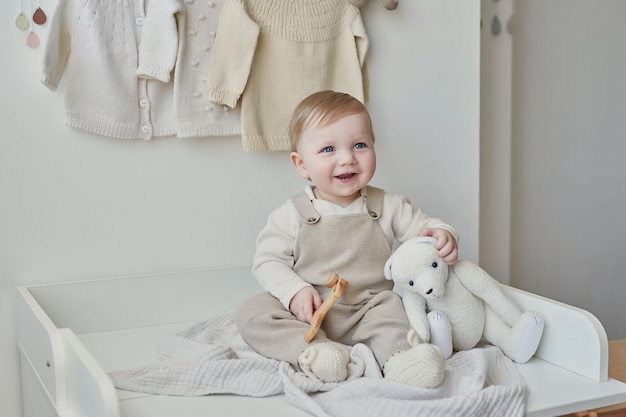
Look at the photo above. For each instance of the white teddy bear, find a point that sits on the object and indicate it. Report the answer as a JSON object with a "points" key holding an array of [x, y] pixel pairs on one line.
{"points": [[456, 306]]}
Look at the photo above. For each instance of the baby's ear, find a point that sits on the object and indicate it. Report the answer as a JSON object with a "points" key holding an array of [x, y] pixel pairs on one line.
{"points": [[298, 163]]}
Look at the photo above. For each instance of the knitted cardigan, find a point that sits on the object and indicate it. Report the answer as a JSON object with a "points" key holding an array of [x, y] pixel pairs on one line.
{"points": [[270, 54], [95, 46], [178, 38]]}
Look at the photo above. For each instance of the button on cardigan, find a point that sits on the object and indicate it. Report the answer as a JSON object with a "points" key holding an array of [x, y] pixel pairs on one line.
{"points": [[270, 54], [95, 46]]}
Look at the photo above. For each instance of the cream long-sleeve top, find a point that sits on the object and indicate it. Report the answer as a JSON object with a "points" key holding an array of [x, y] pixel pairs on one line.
{"points": [[95, 47], [273, 261], [270, 54]]}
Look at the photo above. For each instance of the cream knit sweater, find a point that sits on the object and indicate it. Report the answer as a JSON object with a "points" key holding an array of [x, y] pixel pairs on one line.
{"points": [[270, 54]]}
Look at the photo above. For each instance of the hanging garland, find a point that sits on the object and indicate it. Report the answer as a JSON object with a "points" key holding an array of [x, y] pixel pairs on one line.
{"points": [[21, 22]]}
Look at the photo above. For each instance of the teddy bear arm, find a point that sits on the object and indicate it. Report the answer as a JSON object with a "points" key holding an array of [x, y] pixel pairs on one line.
{"points": [[415, 307], [485, 287]]}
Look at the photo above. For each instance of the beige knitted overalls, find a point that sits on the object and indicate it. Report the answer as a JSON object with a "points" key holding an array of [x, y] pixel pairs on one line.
{"points": [[354, 247]]}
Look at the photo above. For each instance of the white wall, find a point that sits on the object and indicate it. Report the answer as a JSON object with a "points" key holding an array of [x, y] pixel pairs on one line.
{"points": [[78, 206], [569, 155], [495, 139]]}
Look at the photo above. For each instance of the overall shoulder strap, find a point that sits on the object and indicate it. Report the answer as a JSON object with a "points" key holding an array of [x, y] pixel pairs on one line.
{"points": [[374, 198], [305, 208]]}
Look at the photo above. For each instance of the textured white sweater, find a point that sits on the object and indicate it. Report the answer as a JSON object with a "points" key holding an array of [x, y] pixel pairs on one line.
{"points": [[270, 54], [95, 46]]}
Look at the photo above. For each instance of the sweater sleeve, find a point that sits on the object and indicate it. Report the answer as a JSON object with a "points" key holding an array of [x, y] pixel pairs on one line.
{"points": [[362, 47], [58, 46], [158, 49], [361, 39], [233, 53], [274, 257]]}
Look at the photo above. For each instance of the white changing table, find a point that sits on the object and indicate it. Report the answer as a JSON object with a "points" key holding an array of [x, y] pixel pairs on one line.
{"points": [[71, 334]]}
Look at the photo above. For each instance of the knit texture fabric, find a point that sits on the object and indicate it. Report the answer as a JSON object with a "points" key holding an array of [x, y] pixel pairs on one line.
{"points": [[325, 362], [422, 366], [270, 54], [177, 41], [93, 45], [210, 358], [96, 46]]}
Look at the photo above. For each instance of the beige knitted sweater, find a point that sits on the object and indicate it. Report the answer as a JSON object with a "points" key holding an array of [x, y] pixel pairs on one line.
{"points": [[270, 54]]}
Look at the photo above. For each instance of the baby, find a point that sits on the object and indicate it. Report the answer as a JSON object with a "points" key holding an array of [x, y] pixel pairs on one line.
{"points": [[338, 224]]}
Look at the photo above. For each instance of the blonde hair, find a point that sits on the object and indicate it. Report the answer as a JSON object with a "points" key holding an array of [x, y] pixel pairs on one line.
{"points": [[321, 109]]}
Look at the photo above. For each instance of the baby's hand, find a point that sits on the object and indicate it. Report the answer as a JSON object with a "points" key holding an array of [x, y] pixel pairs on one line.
{"points": [[446, 244], [304, 304]]}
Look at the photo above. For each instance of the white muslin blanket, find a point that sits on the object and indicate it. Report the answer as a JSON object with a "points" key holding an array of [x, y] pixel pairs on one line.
{"points": [[210, 357]]}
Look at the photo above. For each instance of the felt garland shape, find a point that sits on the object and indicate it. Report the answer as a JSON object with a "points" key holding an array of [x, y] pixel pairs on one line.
{"points": [[39, 16], [496, 26], [513, 25], [32, 39], [21, 22]]}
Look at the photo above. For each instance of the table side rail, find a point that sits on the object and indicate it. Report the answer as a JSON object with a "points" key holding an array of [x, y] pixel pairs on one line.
{"points": [[573, 338], [90, 391], [40, 344]]}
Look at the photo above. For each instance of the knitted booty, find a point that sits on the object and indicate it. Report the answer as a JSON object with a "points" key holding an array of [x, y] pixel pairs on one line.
{"points": [[326, 362], [421, 366]]}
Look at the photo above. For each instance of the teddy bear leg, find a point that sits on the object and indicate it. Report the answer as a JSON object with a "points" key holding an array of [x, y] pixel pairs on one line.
{"points": [[519, 342], [440, 332], [528, 331]]}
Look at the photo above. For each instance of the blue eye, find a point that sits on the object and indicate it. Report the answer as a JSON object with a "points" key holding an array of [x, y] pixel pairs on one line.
{"points": [[328, 149], [359, 145]]}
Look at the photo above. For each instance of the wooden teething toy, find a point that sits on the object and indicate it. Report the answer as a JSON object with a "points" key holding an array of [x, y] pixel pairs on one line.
{"points": [[339, 286]]}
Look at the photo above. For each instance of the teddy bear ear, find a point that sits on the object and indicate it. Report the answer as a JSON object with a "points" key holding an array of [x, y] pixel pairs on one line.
{"points": [[388, 268]]}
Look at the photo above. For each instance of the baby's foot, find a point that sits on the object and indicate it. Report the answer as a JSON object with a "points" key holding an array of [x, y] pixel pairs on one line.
{"points": [[421, 366], [325, 362]]}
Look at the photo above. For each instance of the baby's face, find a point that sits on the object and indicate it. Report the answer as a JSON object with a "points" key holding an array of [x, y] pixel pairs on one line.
{"points": [[338, 158]]}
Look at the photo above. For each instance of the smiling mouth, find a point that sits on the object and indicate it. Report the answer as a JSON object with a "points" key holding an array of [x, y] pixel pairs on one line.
{"points": [[345, 176]]}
